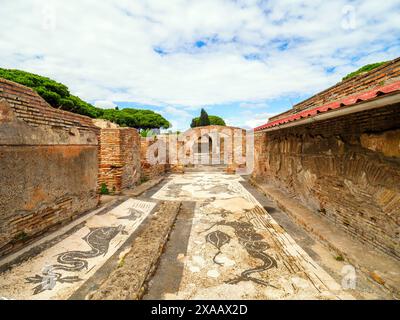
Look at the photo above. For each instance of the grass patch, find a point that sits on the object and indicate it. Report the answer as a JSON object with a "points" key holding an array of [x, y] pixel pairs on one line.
{"points": [[22, 236], [104, 189], [143, 179], [339, 258], [121, 262], [364, 69]]}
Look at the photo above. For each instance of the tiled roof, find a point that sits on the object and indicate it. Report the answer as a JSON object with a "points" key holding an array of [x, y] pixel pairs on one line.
{"points": [[345, 102]]}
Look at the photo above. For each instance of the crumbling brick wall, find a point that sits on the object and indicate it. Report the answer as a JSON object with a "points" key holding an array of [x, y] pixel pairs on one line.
{"points": [[226, 145], [346, 169], [48, 165], [150, 169], [119, 158]]}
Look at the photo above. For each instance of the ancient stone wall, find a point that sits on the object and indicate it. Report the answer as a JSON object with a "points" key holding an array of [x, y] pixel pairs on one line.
{"points": [[150, 148], [48, 165], [346, 170], [119, 158], [217, 145], [224, 145]]}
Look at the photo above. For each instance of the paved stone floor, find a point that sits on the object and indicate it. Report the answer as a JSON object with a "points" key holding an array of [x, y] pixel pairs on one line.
{"points": [[57, 266], [228, 242], [232, 248]]}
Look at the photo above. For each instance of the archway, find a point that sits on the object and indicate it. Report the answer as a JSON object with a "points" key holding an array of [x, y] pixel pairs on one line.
{"points": [[202, 150], [210, 145]]}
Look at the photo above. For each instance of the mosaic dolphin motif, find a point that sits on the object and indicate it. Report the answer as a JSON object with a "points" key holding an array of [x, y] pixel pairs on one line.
{"points": [[253, 243], [218, 239], [98, 239]]}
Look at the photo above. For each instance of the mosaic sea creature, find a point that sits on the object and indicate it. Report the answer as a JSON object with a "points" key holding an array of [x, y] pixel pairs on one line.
{"points": [[133, 215], [98, 239], [218, 239], [174, 190], [253, 243]]}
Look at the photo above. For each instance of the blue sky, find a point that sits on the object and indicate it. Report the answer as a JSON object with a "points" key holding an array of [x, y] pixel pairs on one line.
{"points": [[235, 113], [242, 60]]}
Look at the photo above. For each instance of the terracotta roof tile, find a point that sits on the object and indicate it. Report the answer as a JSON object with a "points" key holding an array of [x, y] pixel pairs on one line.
{"points": [[345, 102]]}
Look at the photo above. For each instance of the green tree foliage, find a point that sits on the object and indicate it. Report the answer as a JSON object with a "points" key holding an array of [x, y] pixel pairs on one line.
{"points": [[136, 118], [214, 120], [55, 93], [195, 122], [58, 96], [364, 69], [217, 121]]}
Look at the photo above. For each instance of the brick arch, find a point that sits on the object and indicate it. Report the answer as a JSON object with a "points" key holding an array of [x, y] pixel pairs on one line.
{"points": [[205, 138], [219, 135]]}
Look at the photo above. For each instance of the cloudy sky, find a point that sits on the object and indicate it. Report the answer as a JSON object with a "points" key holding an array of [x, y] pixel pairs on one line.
{"points": [[242, 60]]}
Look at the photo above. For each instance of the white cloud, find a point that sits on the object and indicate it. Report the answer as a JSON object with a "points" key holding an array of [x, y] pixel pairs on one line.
{"points": [[105, 104], [178, 117], [104, 51], [249, 119], [176, 112]]}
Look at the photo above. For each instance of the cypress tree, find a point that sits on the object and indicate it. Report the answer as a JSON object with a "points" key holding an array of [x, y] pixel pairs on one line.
{"points": [[204, 120]]}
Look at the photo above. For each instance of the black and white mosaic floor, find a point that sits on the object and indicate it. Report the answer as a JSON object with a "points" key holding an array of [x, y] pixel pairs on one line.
{"points": [[236, 250], [233, 249], [59, 270]]}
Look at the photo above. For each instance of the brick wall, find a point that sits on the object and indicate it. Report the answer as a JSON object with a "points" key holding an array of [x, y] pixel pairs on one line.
{"points": [[346, 169], [183, 152], [30, 107], [119, 158], [385, 74], [48, 166], [151, 170], [226, 146]]}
